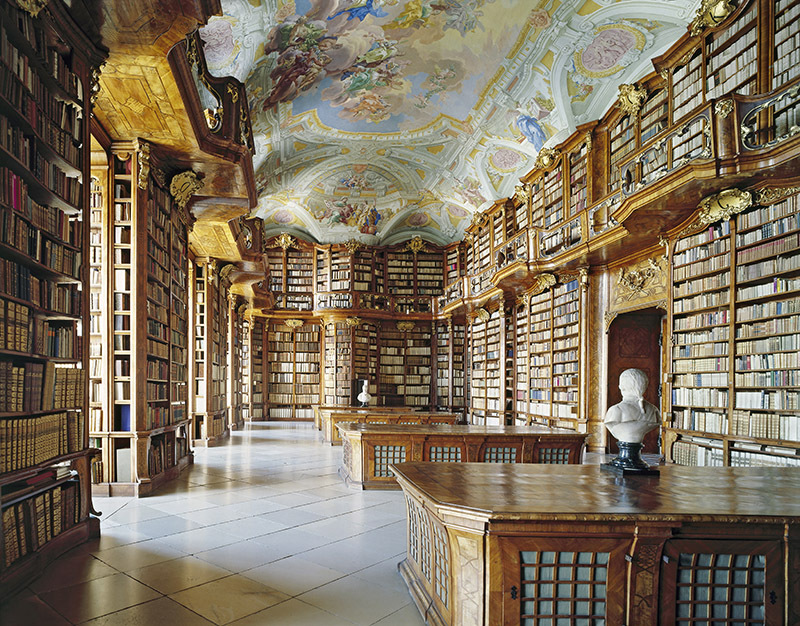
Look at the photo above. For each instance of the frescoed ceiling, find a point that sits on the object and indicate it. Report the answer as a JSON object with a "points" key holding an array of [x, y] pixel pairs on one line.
{"points": [[382, 119]]}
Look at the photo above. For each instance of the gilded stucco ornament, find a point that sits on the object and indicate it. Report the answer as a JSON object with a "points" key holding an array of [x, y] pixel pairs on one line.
{"points": [[183, 187], [583, 276], [720, 206], [293, 323], [226, 270], [32, 6], [285, 241], [522, 193], [541, 282], [545, 158], [247, 233], [242, 310], [352, 321], [94, 82], [635, 281], [723, 108], [143, 153], [352, 245], [587, 140], [711, 13], [523, 299], [405, 326], [768, 195], [482, 315], [631, 98], [416, 245]]}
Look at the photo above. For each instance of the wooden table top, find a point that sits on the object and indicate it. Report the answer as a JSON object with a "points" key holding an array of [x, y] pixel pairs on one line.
{"points": [[454, 429], [588, 493]]}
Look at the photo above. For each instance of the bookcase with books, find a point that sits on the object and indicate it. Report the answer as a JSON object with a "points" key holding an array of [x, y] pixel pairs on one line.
{"points": [[399, 268], [246, 368], [522, 346], [731, 55], [209, 416], [98, 308], [417, 362], [299, 274], [365, 356], [45, 215], [486, 368], [453, 263], [392, 365], [235, 364], [338, 363], [735, 373], [540, 347], [257, 369], [293, 354], [566, 353], [786, 43], [144, 436]]}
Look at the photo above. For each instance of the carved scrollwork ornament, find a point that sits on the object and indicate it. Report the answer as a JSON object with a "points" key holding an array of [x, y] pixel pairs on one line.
{"points": [[720, 206], [293, 323], [523, 299], [522, 193], [545, 158], [768, 195], [415, 245], [247, 233], [352, 321], [631, 98], [664, 73], [242, 310], [211, 268], [541, 282], [587, 141], [468, 238], [233, 92], [183, 186], [711, 13], [405, 326], [94, 81], [583, 277], [143, 154], [635, 281], [285, 241], [352, 245], [724, 108], [226, 270], [33, 7], [160, 176], [482, 315]]}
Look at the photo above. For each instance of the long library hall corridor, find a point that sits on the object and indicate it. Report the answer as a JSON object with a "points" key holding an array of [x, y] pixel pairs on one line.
{"points": [[260, 530]]}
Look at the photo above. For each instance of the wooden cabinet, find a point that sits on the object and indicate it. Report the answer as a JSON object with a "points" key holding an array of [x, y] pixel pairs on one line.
{"points": [[529, 544]]}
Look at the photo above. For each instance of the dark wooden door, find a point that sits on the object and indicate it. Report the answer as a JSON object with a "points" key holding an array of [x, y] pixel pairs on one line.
{"points": [[633, 341]]}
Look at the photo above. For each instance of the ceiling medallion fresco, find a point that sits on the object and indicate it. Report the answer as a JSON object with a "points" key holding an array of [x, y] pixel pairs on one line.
{"points": [[383, 119]]}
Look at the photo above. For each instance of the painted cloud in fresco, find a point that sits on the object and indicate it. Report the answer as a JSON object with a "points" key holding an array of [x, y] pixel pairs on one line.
{"points": [[389, 63]]}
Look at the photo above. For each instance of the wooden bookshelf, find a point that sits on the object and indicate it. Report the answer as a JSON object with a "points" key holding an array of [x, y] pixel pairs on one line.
{"points": [[235, 364], [46, 204], [687, 86], [486, 350], [786, 43], [338, 363], [621, 142], [293, 356], [210, 413], [257, 370], [246, 368], [540, 372], [735, 390], [521, 350], [731, 56], [566, 353]]}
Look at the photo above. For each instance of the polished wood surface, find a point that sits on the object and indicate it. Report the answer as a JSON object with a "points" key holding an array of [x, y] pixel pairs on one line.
{"points": [[370, 448], [589, 491], [377, 415], [690, 541]]}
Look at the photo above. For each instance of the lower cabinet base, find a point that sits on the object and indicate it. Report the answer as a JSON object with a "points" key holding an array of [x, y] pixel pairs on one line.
{"points": [[421, 598]]}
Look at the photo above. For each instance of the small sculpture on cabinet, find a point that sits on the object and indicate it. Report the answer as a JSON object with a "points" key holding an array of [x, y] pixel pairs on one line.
{"points": [[629, 421], [364, 397]]}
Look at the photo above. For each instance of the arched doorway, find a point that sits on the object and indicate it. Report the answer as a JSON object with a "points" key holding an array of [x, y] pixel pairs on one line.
{"points": [[634, 340]]}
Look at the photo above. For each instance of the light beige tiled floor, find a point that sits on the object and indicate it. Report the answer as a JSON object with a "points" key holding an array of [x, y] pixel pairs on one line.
{"points": [[260, 530]]}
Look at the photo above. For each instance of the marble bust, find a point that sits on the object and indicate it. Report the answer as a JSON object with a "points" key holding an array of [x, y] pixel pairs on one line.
{"points": [[630, 420], [364, 397]]}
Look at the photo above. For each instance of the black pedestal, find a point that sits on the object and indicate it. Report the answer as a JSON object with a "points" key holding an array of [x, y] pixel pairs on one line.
{"points": [[629, 461]]}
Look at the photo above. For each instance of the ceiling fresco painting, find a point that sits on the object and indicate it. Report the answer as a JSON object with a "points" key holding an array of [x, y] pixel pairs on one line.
{"points": [[383, 119]]}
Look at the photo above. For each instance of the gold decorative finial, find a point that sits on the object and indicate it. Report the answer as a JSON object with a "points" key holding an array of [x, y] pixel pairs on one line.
{"points": [[522, 193], [711, 13], [541, 282], [184, 186], [545, 158], [416, 244], [32, 6], [352, 245], [631, 98], [285, 241]]}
